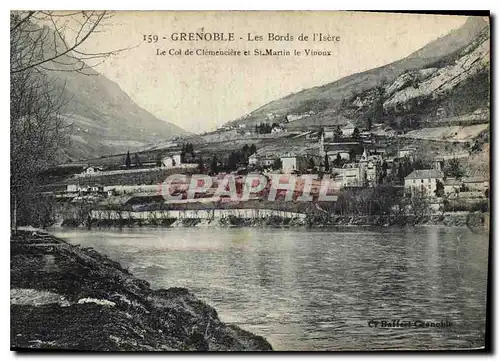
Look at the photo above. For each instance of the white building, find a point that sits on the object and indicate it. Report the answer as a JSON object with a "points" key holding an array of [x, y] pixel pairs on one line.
{"points": [[171, 161], [90, 171], [293, 117], [350, 175], [348, 129], [368, 165], [253, 159], [478, 183], [328, 133], [423, 181], [344, 155], [72, 188], [406, 152], [288, 163], [452, 185]]}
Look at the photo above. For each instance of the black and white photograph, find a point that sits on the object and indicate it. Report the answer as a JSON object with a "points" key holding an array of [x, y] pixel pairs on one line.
{"points": [[249, 180]]}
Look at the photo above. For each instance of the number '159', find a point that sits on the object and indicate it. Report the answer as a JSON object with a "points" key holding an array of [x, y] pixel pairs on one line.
{"points": [[150, 38]]}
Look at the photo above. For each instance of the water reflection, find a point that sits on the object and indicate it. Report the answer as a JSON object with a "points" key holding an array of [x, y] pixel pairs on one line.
{"points": [[317, 290]]}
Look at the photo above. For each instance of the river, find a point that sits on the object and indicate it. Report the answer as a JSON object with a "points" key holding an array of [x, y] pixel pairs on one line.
{"points": [[319, 289]]}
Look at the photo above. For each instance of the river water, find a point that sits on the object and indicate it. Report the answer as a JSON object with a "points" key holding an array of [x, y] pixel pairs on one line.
{"points": [[319, 289]]}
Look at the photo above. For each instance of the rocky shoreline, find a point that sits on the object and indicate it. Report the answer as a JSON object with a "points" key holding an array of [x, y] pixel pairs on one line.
{"points": [[66, 297]]}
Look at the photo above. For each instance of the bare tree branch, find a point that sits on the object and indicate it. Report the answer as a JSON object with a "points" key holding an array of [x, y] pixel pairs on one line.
{"points": [[41, 42]]}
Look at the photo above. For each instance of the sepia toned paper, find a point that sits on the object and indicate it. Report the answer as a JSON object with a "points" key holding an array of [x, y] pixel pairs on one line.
{"points": [[249, 180]]}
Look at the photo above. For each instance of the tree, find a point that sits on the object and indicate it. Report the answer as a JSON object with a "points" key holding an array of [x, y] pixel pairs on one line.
{"points": [[214, 166], [454, 169], [352, 154], [245, 149], [321, 133], [355, 134], [253, 149], [137, 161], [37, 132], [419, 203], [383, 172], [338, 161], [201, 166], [277, 164], [401, 172], [369, 122], [376, 110], [327, 163], [232, 162], [311, 164], [439, 188], [51, 40], [127, 160], [337, 134], [39, 44]]}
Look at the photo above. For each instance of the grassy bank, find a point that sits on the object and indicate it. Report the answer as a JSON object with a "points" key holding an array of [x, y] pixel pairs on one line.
{"points": [[72, 298]]}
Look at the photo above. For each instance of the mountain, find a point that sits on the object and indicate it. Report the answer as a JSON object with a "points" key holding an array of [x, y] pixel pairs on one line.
{"points": [[99, 117], [103, 119], [361, 95]]}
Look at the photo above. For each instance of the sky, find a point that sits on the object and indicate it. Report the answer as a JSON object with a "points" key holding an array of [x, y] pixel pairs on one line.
{"points": [[201, 93]]}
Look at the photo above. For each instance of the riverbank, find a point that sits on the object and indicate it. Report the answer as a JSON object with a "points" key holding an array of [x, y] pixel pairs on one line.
{"points": [[238, 218], [67, 297]]}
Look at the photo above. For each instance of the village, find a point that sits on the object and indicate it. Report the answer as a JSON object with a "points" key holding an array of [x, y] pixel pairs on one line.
{"points": [[359, 164]]}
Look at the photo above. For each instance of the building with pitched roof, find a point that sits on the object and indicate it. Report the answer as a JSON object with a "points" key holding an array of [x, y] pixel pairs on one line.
{"points": [[423, 181]]}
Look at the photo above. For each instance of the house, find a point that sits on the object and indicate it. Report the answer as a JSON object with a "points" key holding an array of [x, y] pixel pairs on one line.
{"points": [[368, 173], [451, 185], [351, 175], [253, 159], [72, 188], [348, 130], [291, 162], [346, 149], [262, 160], [382, 151], [288, 163], [96, 188], [368, 164], [278, 130], [77, 188], [266, 160], [293, 117], [423, 181], [438, 163], [365, 135], [441, 113], [90, 171], [344, 155], [171, 161], [328, 133], [406, 152], [476, 184]]}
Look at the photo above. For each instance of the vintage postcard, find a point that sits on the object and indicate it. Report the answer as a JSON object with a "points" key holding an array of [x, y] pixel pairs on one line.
{"points": [[249, 180]]}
